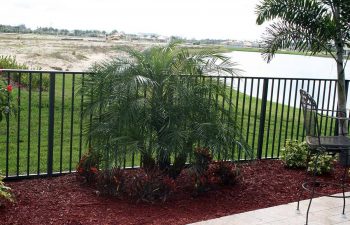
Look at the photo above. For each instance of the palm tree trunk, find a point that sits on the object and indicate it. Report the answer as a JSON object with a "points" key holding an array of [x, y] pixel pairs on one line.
{"points": [[339, 44], [343, 128]]}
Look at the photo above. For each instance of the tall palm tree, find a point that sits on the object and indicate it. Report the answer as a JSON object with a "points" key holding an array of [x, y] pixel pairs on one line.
{"points": [[309, 26], [158, 102]]}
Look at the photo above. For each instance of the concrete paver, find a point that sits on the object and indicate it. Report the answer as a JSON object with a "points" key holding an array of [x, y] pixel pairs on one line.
{"points": [[323, 211]]}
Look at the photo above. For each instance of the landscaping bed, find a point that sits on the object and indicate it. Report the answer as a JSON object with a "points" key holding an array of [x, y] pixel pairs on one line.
{"points": [[65, 200]]}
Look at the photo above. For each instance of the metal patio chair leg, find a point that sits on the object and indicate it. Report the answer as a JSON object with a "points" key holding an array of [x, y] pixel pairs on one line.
{"points": [[345, 174], [313, 187], [305, 179], [343, 187], [330, 144]]}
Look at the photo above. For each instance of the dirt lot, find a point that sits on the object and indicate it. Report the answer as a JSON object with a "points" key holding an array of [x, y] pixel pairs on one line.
{"points": [[50, 52]]}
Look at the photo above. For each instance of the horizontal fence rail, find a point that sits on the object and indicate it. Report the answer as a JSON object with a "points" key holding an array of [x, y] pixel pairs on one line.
{"points": [[45, 136]]}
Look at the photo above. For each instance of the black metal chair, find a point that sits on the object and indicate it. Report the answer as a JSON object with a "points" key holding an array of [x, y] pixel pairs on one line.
{"points": [[319, 145]]}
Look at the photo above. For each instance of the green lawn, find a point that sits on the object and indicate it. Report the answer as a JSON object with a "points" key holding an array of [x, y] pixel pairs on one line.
{"points": [[25, 141]]}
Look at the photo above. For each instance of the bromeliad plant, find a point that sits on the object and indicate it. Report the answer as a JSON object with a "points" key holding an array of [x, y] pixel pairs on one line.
{"points": [[88, 165], [157, 103]]}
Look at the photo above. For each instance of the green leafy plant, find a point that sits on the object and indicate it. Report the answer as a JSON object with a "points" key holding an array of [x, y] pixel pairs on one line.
{"points": [[10, 62], [88, 165], [294, 154], [324, 165], [144, 103], [5, 192]]}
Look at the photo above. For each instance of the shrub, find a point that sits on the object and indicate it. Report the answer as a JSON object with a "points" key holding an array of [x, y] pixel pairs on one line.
{"points": [[324, 164], [88, 165], [111, 182], [150, 187], [10, 62], [294, 154], [226, 172], [5, 192], [23, 79], [146, 104]]}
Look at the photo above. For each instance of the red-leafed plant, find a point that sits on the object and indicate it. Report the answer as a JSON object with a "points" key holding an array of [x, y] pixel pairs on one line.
{"points": [[111, 182], [88, 165], [150, 187], [200, 166], [224, 172]]}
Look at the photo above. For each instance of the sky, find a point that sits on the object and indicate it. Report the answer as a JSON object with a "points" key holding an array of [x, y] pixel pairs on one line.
{"points": [[199, 19]]}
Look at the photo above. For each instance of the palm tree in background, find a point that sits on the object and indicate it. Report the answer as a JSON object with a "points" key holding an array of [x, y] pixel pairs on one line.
{"points": [[158, 103], [310, 26]]}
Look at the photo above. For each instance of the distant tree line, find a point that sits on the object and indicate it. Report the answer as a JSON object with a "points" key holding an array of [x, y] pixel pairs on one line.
{"points": [[22, 29]]}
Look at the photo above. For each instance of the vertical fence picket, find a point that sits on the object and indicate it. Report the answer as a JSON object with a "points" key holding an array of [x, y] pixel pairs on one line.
{"points": [[262, 118], [51, 124]]}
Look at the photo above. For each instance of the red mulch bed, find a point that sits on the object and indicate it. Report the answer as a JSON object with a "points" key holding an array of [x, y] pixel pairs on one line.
{"points": [[64, 200]]}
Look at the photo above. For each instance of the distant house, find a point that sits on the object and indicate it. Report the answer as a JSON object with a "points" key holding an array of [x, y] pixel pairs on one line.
{"points": [[115, 36], [163, 39], [346, 51]]}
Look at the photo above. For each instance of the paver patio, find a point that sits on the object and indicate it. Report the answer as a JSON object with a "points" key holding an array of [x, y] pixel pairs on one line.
{"points": [[324, 211]]}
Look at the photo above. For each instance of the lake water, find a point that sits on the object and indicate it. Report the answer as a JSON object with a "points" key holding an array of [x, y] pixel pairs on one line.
{"points": [[252, 64], [283, 65]]}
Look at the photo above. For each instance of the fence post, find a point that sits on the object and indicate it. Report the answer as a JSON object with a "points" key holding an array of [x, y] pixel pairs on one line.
{"points": [[262, 118], [51, 123]]}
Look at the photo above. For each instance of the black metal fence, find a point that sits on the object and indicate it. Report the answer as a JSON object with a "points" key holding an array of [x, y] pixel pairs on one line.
{"points": [[46, 137]]}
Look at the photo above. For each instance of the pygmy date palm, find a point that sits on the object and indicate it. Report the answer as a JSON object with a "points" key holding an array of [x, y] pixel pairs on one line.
{"points": [[310, 26], [158, 103]]}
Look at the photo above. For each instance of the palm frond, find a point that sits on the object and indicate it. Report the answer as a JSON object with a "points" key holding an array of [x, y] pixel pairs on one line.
{"points": [[289, 36]]}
